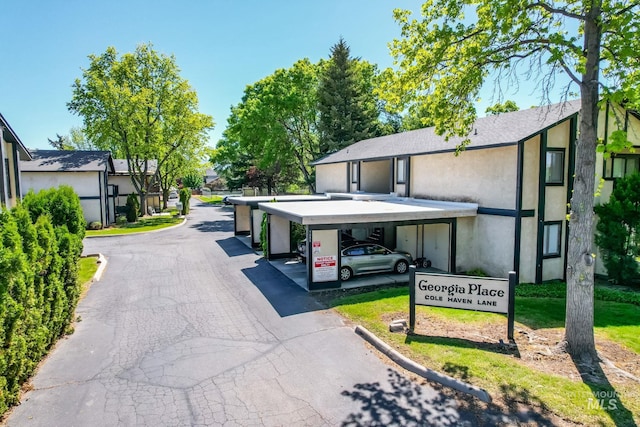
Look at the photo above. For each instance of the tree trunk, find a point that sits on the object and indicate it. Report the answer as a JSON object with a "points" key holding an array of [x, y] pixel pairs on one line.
{"points": [[579, 335], [143, 202]]}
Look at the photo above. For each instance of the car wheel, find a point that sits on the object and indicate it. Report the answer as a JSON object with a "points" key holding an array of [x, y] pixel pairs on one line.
{"points": [[345, 274], [426, 263], [401, 267]]}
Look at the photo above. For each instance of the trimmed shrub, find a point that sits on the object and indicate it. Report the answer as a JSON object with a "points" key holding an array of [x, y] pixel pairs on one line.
{"points": [[185, 197], [133, 208], [39, 255], [264, 240], [121, 220], [95, 225], [62, 205]]}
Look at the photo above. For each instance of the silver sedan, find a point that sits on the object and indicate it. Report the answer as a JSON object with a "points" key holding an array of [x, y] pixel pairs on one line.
{"points": [[369, 258]]}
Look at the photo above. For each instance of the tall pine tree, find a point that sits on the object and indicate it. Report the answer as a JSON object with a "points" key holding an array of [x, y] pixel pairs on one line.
{"points": [[348, 109]]}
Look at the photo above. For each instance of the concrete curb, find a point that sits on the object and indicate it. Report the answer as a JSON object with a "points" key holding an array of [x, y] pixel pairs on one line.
{"points": [[102, 261], [416, 368]]}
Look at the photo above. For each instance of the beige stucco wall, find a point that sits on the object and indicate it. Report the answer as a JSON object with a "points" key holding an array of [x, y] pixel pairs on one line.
{"points": [[331, 178], [85, 184], [375, 176], [486, 177], [485, 242], [125, 186], [528, 250], [530, 173], [242, 215], [466, 253], [279, 235]]}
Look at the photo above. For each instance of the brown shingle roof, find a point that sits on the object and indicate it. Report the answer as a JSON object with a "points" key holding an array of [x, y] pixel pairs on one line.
{"points": [[68, 161], [491, 131]]}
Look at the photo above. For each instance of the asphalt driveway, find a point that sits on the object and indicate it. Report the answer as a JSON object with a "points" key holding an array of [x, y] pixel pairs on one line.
{"points": [[190, 327]]}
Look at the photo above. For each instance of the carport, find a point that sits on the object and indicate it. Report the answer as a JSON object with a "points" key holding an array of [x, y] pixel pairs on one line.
{"points": [[247, 217], [425, 228]]}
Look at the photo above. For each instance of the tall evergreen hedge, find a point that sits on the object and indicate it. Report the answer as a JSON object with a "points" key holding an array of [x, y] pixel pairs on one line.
{"points": [[40, 245]]}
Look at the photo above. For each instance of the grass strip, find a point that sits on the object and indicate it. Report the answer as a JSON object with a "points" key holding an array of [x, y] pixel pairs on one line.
{"points": [[504, 375], [142, 225]]}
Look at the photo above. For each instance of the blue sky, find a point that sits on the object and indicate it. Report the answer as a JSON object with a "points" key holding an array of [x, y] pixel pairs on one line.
{"points": [[220, 46]]}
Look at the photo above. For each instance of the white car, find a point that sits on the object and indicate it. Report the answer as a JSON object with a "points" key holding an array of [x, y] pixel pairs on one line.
{"points": [[173, 198]]}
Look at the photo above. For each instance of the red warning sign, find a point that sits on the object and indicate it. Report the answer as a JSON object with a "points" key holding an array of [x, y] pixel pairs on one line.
{"points": [[324, 261]]}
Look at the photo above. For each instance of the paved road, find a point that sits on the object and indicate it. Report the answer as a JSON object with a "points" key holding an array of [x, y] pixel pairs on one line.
{"points": [[189, 327]]}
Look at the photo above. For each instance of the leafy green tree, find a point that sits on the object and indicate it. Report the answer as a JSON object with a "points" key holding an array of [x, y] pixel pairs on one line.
{"points": [[193, 180], [189, 160], [74, 141], [618, 230], [231, 162], [60, 143], [504, 107], [273, 129], [140, 108], [445, 58], [348, 109]]}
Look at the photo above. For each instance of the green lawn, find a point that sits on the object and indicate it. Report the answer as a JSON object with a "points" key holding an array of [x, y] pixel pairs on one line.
{"points": [[213, 199], [142, 225], [87, 267], [504, 375]]}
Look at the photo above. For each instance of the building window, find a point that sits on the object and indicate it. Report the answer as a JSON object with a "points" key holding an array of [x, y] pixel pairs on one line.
{"points": [[401, 171], [552, 239], [555, 167], [620, 166], [354, 172]]}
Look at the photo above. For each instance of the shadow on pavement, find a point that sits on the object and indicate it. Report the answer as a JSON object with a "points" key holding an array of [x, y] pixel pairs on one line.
{"points": [[285, 296], [234, 247], [402, 403], [213, 226]]}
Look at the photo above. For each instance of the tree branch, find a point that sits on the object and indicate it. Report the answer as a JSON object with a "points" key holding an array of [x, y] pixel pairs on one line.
{"points": [[628, 8], [556, 10]]}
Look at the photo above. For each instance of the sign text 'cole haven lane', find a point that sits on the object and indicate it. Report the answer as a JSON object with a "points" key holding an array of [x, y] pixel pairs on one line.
{"points": [[469, 293]]}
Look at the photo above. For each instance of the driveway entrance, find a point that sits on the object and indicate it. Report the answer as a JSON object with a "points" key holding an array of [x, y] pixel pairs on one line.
{"points": [[188, 326]]}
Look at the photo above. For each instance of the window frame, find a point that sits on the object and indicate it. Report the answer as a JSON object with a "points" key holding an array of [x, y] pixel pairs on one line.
{"points": [[611, 161], [355, 169], [401, 174], [546, 253], [554, 151]]}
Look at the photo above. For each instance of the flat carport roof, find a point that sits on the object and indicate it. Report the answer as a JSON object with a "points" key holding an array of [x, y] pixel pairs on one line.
{"points": [[330, 212], [255, 200]]}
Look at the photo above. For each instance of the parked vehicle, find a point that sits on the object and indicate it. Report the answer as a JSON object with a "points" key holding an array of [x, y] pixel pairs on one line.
{"points": [[173, 198], [346, 240], [369, 258]]}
